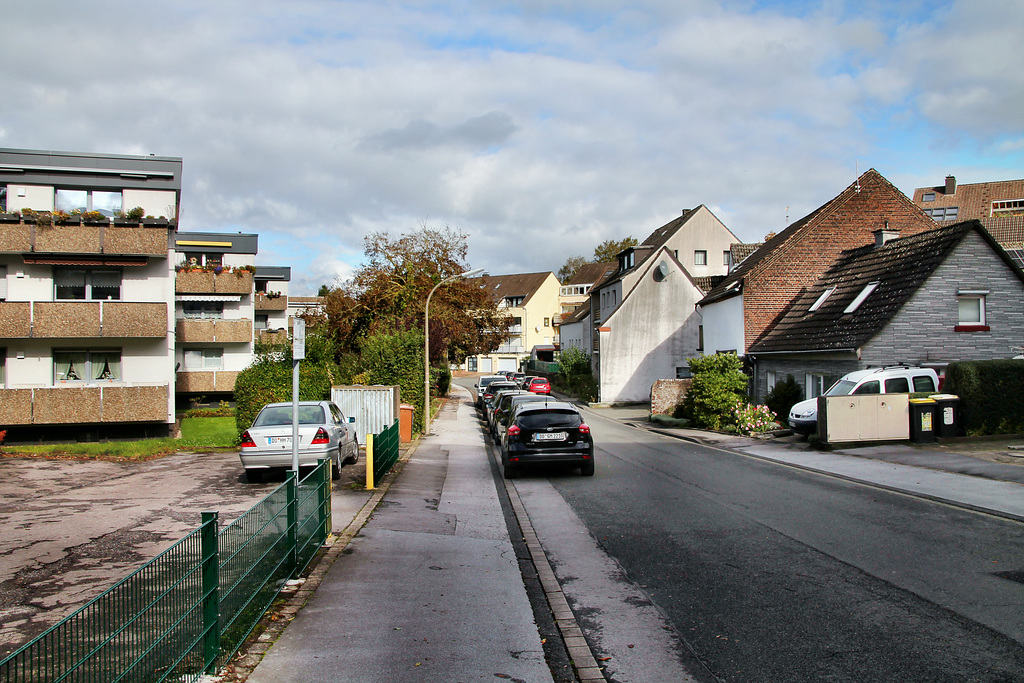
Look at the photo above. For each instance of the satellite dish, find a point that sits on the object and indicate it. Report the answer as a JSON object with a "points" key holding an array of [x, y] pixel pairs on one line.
{"points": [[662, 270]]}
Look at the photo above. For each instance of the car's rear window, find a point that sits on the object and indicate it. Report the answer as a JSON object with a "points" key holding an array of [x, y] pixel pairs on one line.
{"points": [[549, 418], [923, 383], [282, 415]]}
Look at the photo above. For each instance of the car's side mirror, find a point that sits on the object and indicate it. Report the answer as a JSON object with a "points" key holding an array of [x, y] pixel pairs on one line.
{"points": [[352, 420]]}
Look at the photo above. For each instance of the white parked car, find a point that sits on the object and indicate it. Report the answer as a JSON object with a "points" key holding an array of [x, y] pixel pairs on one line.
{"points": [[896, 379], [324, 432]]}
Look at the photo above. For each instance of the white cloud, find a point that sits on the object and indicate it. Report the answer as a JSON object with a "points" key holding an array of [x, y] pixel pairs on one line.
{"points": [[538, 128]]}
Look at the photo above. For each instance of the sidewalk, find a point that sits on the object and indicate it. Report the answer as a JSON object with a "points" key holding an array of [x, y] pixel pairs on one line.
{"points": [[429, 589], [937, 473]]}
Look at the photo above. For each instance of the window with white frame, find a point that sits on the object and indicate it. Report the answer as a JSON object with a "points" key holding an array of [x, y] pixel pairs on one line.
{"points": [[769, 380], [88, 284], [971, 307], [204, 359], [262, 321], [86, 365], [814, 385], [1008, 206], [107, 203], [726, 257], [203, 310], [700, 257]]}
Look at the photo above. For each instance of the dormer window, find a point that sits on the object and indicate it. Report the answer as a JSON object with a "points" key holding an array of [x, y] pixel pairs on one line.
{"points": [[928, 197], [626, 260], [864, 294], [821, 299], [514, 301]]}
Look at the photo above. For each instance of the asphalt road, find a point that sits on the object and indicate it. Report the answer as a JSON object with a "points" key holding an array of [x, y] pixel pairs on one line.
{"points": [[766, 573]]}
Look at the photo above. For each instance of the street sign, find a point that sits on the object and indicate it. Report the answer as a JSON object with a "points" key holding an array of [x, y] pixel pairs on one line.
{"points": [[298, 339]]}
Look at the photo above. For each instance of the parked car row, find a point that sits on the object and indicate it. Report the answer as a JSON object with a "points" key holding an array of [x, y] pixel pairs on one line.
{"points": [[538, 385], [530, 427]]}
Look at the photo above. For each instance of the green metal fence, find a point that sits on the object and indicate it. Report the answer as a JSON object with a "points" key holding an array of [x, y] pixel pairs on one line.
{"points": [[541, 366], [189, 609], [385, 451]]}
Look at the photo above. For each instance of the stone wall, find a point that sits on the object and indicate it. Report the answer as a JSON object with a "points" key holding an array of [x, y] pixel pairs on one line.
{"points": [[666, 394]]}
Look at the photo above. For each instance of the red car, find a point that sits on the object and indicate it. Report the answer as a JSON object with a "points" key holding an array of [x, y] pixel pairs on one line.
{"points": [[539, 385]]}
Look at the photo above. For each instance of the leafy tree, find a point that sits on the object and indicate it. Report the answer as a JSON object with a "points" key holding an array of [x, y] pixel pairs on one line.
{"points": [[323, 291], [718, 384], [609, 249], [390, 291], [573, 362], [569, 269]]}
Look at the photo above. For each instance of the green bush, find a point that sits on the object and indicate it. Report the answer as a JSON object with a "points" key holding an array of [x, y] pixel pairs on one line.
{"points": [[573, 362], [783, 397], [269, 379], [718, 384], [395, 358], [441, 378], [991, 395]]}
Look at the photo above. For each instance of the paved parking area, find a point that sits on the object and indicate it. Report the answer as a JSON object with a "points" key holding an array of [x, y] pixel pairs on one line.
{"points": [[70, 529]]}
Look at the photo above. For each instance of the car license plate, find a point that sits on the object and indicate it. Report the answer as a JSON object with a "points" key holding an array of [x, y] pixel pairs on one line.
{"points": [[273, 440], [549, 436]]}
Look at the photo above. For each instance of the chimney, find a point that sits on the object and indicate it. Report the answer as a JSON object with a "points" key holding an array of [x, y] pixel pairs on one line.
{"points": [[950, 184], [884, 235]]}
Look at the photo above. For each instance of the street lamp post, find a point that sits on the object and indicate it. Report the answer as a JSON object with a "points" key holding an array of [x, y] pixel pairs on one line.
{"points": [[426, 346]]}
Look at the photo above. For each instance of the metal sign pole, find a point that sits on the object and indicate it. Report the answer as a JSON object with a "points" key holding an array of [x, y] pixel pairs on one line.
{"points": [[298, 354]]}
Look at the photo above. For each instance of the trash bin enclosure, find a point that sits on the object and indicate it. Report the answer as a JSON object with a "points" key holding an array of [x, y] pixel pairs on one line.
{"points": [[863, 417], [375, 408]]}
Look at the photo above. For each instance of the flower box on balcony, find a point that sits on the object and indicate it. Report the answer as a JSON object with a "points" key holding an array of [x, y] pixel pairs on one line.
{"points": [[126, 222], [10, 218], [155, 221]]}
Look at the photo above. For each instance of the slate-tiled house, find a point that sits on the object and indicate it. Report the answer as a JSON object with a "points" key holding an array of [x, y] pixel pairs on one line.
{"points": [[944, 295], [747, 302]]}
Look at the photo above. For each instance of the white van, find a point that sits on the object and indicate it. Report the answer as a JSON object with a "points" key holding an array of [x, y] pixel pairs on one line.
{"points": [[895, 379]]}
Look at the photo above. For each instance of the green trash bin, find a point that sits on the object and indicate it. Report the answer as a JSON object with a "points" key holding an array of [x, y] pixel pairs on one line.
{"points": [[922, 420], [947, 415]]}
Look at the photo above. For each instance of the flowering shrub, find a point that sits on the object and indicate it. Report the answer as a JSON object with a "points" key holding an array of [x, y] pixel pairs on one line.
{"points": [[751, 419]]}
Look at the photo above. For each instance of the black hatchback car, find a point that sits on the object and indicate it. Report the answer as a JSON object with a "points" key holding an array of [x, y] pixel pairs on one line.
{"points": [[546, 432]]}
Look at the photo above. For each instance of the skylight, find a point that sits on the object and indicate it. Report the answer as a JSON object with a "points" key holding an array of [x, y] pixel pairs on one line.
{"points": [[821, 299], [864, 294]]}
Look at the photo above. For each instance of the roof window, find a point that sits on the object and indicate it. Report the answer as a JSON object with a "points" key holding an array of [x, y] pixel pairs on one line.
{"points": [[821, 299], [864, 294]]}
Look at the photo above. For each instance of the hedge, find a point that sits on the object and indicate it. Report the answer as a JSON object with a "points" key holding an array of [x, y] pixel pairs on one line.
{"points": [[991, 395]]}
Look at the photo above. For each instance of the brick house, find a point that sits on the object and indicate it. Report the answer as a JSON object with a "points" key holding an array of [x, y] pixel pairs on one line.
{"points": [[948, 294], [86, 295], [746, 303]]}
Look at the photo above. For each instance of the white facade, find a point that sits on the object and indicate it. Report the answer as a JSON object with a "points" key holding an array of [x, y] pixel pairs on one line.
{"points": [[723, 326], [653, 332]]}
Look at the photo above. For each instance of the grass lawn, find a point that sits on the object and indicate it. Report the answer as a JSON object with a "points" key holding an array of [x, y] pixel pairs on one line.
{"points": [[197, 434]]}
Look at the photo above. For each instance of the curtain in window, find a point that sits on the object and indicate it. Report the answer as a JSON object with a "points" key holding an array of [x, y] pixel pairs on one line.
{"points": [[106, 365], [70, 365], [193, 359]]}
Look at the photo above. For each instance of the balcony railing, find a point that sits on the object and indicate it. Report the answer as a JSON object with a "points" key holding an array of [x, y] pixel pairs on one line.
{"points": [[271, 303], [84, 238], [201, 381], [82, 404], [223, 331], [74, 319], [204, 282]]}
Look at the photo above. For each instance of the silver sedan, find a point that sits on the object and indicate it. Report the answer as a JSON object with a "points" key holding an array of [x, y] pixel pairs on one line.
{"points": [[324, 432]]}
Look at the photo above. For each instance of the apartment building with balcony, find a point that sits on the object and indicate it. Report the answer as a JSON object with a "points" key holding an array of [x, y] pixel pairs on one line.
{"points": [[214, 311], [531, 299], [270, 302], [86, 295]]}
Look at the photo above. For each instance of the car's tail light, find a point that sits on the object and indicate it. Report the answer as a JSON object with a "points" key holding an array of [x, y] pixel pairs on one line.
{"points": [[247, 441], [514, 430], [584, 429], [321, 436]]}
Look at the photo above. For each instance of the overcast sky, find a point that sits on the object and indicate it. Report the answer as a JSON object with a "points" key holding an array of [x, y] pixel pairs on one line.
{"points": [[540, 128]]}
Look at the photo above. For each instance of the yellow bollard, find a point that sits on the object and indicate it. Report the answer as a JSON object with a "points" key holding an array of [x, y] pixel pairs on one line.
{"points": [[369, 462]]}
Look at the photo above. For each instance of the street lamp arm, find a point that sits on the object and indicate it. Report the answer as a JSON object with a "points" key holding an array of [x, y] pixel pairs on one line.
{"points": [[426, 345]]}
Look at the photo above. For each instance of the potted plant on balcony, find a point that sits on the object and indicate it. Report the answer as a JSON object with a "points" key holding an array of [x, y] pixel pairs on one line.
{"points": [[132, 217], [65, 218], [95, 218]]}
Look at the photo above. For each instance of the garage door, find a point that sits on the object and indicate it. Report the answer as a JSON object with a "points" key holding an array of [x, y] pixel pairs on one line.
{"points": [[485, 366], [511, 364]]}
